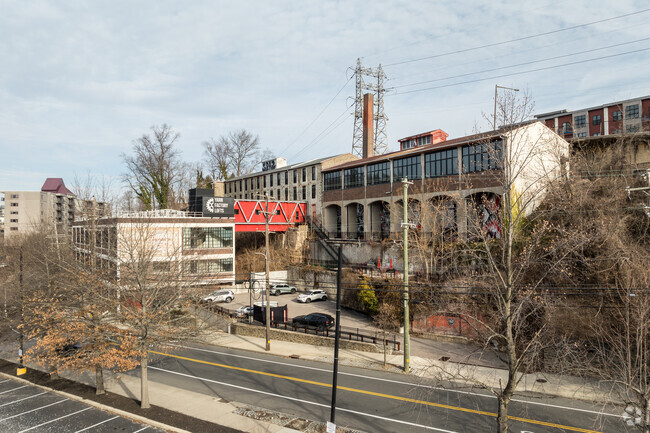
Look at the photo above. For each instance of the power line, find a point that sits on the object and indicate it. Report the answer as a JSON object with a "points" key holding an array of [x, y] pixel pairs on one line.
{"points": [[494, 44], [324, 133], [519, 64], [520, 73], [317, 117]]}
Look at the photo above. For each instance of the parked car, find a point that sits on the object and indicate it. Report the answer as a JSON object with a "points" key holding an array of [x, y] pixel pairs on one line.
{"points": [[312, 295], [278, 289], [220, 296], [317, 320], [244, 311]]}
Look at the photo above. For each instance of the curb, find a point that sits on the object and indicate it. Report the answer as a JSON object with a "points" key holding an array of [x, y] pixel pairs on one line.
{"points": [[103, 407]]}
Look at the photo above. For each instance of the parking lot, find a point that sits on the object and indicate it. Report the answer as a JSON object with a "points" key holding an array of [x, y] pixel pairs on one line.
{"points": [[24, 407], [349, 318]]}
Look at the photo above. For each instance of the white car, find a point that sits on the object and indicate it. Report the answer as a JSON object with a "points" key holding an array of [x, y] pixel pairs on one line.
{"points": [[220, 296], [312, 295]]}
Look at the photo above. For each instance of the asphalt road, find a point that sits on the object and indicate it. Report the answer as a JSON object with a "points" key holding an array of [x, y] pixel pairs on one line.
{"points": [[26, 408], [370, 401]]}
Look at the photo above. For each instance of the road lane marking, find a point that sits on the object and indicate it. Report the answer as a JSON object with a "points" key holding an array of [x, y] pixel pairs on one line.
{"points": [[303, 401], [56, 419], [26, 398], [33, 410], [376, 394], [95, 425], [14, 389], [436, 388]]}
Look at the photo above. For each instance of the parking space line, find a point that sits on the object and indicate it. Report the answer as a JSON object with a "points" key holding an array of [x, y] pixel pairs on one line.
{"points": [[56, 419], [6, 380], [26, 398], [142, 429], [95, 425], [14, 389], [33, 410]]}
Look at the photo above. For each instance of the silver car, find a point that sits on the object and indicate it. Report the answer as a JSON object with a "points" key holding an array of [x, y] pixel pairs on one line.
{"points": [[279, 289]]}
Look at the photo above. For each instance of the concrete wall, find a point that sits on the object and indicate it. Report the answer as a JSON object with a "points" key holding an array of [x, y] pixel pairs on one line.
{"points": [[299, 337]]}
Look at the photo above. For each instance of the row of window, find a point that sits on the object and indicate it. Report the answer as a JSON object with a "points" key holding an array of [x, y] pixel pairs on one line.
{"points": [[207, 237], [475, 158], [203, 267], [631, 112], [295, 196], [254, 182]]}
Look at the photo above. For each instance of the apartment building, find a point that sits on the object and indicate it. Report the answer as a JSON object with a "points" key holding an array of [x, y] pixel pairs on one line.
{"points": [[53, 207], [628, 116], [282, 182], [459, 176], [200, 249]]}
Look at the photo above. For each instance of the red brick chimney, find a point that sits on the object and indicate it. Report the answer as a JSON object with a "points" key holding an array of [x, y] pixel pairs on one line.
{"points": [[368, 118]]}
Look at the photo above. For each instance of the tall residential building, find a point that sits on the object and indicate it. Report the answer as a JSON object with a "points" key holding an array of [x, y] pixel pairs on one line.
{"points": [[282, 182], [54, 207]]}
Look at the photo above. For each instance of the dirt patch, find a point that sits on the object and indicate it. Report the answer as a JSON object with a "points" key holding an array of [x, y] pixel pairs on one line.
{"points": [[126, 404]]}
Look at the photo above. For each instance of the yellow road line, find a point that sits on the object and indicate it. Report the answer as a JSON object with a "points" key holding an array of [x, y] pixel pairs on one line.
{"points": [[379, 394]]}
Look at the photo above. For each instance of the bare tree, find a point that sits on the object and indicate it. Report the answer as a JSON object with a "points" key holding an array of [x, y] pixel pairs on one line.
{"points": [[155, 168], [217, 153], [234, 155], [155, 286]]}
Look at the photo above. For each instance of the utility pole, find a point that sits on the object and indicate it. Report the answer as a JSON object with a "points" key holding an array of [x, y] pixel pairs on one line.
{"points": [[250, 292], [336, 338], [267, 308], [405, 234]]}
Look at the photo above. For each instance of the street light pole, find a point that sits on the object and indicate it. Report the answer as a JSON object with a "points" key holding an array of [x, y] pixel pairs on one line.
{"points": [[496, 87]]}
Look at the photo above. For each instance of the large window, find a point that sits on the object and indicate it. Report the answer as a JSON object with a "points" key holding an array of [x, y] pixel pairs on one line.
{"points": [[617, 115], [580, 121], [313, 172], [207, 237], [353, 177], [482, 157], [632, 111], [332, 180], [304, 192], [379, 173], [279, 180], [423, 141], [271, 180], [202, 267], [441, 163], [596, 120], [304, 174], [406, 167], [295, 176], [313, 191]]}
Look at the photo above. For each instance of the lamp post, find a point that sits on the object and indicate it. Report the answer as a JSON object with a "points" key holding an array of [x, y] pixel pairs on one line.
{"points": [[496, 88], [405, 234]]}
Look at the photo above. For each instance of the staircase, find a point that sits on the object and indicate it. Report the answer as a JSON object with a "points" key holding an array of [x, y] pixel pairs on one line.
{"points": [[323, 239]]}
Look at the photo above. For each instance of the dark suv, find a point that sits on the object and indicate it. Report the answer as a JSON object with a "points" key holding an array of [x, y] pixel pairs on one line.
{"points": [[317, 320]]}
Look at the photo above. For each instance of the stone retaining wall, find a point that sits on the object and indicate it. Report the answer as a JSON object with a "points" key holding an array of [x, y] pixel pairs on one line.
{"points": [[299, 337]]}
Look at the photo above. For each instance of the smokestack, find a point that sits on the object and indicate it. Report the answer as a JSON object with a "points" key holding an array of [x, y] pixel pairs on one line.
{"points": [[368, 118]]}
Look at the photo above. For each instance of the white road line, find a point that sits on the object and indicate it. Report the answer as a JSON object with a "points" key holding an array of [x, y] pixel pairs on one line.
{"points": [[435, 388], [301, 401], [142, 429], [6, 380], [14, 389], [33, 410], [26, 398], [56, 419], [95, 425]]}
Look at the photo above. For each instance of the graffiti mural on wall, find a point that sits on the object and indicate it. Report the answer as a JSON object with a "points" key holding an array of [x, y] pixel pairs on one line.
{"points": [[490, 219], [360, 229], [384, 216]]}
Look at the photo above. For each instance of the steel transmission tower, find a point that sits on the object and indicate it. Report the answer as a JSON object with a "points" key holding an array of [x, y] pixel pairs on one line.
{"points": [[373, 82]]}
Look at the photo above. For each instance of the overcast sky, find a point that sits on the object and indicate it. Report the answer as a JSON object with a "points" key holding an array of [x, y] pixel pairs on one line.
{"points": [[80, 80]]}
